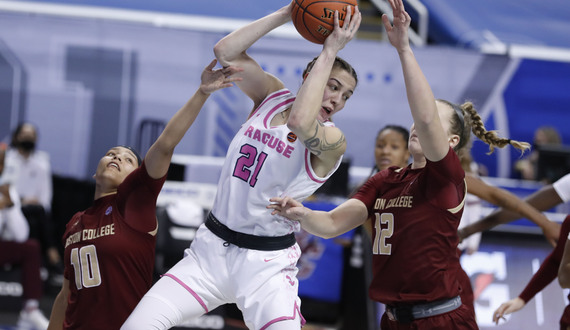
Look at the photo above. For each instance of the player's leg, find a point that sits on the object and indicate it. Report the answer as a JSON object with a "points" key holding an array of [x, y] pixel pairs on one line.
{"points": [[164, 306], [269, 299], [189, 289]]}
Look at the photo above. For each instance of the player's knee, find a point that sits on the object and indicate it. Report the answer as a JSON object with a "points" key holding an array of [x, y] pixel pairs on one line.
{"points": [[151, 314]]}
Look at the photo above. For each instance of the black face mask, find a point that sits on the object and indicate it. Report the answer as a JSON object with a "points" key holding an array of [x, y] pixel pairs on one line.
{"points": [[27, 145]]}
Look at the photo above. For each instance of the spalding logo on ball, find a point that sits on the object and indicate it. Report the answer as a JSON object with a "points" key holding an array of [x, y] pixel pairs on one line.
{"points": [[314, 19]]}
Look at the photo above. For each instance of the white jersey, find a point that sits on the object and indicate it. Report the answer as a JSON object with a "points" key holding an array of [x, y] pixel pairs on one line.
{"points": [[264, 162], [562, 187]]}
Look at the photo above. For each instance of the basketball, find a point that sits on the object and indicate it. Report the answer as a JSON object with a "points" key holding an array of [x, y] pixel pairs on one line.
{"points": [[314, 19]]}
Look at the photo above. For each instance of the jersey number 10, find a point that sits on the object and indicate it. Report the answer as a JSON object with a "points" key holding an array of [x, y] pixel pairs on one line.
{"points": [[86, 267]]}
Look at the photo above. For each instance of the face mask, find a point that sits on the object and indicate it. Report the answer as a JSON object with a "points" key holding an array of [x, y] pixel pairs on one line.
{"points": [[27, 145]]}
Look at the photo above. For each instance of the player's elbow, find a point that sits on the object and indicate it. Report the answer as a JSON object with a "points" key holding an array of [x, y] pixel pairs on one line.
{"points": [[220, 51], [225, 53]]}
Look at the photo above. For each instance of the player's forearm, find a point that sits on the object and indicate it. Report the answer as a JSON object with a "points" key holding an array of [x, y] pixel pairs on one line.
{"points": [[492, 220], [510, 202], [307, 105], [564, 269], [343, 218], [179, 124], [319, 223], [237, 42], [57, 313]]}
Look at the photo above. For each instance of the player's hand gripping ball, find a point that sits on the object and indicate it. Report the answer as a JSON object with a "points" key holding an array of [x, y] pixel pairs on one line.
{"points": [[314, 19]]}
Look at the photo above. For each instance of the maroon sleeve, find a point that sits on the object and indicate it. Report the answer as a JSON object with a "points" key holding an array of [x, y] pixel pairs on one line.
{"points": [[137, 199], [368, 193], [445, 181], [548, 271]]}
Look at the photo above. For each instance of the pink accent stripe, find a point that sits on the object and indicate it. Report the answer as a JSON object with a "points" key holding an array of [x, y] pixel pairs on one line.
{"points": [[286, 318], [267, 100], [308, 168], [200, 301], [275, 109]]}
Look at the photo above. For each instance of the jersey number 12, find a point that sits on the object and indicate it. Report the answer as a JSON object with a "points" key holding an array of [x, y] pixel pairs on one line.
{"points": [[380, 245]]}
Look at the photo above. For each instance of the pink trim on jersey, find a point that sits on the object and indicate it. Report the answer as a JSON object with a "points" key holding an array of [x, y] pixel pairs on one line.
{"points": [[267, 100], [200, 301], [308, 168], [286, 318], [275, 109]]}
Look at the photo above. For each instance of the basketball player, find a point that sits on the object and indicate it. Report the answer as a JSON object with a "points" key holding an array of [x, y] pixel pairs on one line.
{"points": [[416, 209], [554, 264], [547, 272], [391, 149], [287, 146], [109, 248]]}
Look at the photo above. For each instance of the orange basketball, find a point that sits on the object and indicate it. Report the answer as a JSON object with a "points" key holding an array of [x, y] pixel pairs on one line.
{"points": [[314, 19]]}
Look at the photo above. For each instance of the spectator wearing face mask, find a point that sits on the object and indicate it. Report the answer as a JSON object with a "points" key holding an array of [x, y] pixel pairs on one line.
{"points": [[31, 170], [17, 250]]}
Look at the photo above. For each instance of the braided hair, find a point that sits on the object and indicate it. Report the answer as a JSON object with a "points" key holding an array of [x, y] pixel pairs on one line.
{"points": [[466, 119]]}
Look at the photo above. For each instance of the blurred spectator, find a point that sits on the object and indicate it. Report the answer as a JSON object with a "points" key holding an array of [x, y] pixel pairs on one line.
{"points": [[17, 249], [32, 175], [544, 135]]}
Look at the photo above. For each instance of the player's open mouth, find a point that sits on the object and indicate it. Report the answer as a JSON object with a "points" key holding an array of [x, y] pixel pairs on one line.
{"points": [[115, 165]]}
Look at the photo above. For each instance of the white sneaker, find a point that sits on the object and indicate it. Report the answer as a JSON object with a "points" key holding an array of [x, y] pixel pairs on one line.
{"points": [[33, 320]]}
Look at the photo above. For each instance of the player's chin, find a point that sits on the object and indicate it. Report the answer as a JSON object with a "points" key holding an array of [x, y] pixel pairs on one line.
{"points": [[323, 116]]}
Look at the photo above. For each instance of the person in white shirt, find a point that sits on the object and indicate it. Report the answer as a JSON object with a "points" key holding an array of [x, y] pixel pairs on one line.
{"points": [[32, 175], [17, 250]]}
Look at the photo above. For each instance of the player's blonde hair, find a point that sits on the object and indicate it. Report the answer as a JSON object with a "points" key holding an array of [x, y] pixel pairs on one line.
{"points": [[466, 119]]}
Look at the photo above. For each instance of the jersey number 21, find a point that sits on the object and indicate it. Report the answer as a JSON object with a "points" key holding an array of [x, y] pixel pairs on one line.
{"points": [[249, 159]]}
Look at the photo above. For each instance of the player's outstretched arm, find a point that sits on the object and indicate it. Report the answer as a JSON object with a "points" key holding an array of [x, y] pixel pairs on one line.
{"points": [[343, 218], [542, 200], [508, 201], [231, 50], [160, 153], [326, 143], [433, 139]]}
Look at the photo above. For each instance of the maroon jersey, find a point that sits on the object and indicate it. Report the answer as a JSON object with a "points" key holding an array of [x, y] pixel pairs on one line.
{"points": [[109, 255], [548, 271], [415, 213]]}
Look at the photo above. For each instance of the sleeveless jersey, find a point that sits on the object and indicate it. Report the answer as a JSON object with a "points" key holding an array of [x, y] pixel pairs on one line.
{"points": [[415, 214], [264, 162], [109, 264]]}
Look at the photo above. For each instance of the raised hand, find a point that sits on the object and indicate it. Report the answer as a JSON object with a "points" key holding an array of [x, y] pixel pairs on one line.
{"points": [[398, 30], [212, 80], [340, 36]]}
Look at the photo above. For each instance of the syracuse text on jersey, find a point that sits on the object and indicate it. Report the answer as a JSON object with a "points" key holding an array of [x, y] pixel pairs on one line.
{"points": [[87, 234], [268, 139], [400, 201]]}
